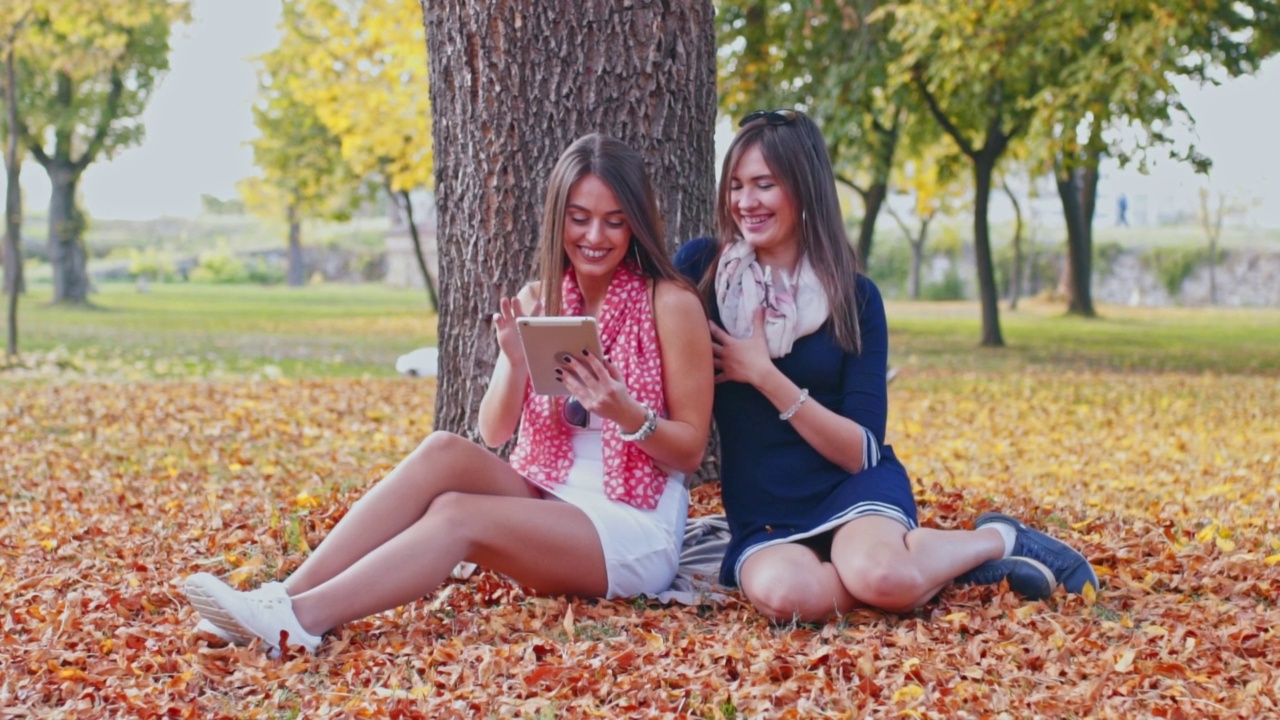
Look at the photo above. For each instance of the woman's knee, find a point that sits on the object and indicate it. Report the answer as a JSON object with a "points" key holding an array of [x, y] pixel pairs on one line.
{"points": [[887, 585], [452, 509], [442, 441], [784, 596]]}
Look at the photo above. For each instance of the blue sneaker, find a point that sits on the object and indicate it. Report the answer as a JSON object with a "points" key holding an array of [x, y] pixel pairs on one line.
{"points": [[1069, 567], [1028, 578]]}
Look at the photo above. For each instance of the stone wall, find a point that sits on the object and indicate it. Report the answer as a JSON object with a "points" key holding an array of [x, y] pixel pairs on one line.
{"points": [[1244, 278]]}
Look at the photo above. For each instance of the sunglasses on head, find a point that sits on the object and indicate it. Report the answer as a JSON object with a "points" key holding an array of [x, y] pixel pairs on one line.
{"points": [[771, 117], [574, 414]]}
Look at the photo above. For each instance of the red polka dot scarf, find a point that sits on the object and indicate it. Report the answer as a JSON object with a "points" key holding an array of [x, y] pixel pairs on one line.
{"points": [[629, 337]]}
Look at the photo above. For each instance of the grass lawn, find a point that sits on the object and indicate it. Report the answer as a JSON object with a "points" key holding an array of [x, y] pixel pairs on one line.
{"points": [[1041, 335], [210, 330], [186, 330]]}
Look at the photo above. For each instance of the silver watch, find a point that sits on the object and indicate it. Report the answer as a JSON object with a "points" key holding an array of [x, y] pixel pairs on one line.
{"points": [[650, 425]]}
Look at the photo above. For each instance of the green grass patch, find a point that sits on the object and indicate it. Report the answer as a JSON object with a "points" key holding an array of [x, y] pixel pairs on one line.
{"points": [[1040, 335], [210, 331], [179, 330]]}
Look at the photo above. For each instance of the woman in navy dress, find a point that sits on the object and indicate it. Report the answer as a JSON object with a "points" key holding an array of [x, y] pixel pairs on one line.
{"points": [[821, 510]]}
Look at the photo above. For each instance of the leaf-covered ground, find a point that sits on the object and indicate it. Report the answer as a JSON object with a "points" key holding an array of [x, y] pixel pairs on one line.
{"points": [[113, 492]]}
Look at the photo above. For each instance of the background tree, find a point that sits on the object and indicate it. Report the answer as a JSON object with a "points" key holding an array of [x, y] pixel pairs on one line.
{"points": [[1119, 97], [979, 69], [825, 56], [1016, 264], [363, 69], [303, 175], [1211, 218], [930, 180], [12, 18], [512, 85], [84, 78]]}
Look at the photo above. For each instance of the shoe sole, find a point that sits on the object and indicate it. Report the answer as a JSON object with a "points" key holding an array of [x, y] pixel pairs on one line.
{"points": [[1076, 577], [205, 601], [1026, 577], [208, 628], [1031, 579]]}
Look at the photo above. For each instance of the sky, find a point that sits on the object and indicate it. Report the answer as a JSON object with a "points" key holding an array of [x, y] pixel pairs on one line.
{"points": [[199, 122]]}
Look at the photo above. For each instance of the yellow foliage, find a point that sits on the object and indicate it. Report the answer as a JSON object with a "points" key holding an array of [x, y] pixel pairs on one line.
{"points": [[363, 69]]}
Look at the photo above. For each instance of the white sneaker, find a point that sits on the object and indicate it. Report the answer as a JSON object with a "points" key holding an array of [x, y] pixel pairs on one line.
{"points": [[245, 616], [271, 588]]}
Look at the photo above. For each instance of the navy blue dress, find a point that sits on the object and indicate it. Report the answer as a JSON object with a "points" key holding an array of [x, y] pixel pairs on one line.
{"points": [[776, 487]]}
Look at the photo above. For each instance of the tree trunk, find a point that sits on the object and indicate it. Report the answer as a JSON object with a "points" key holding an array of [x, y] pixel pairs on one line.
{"points": [[512, 85], [297, 272], [406, 203], [913, 283], [983, 168], [1074, 189], [1213, 265], [67, 252], [873, 200], [1015, 273], [13, 280]]}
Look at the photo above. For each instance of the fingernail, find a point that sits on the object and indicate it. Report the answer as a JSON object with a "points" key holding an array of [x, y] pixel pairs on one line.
{"points": [[585, 352]]}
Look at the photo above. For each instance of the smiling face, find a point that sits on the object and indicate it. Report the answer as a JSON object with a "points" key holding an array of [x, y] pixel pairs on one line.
{"points": [[763, 211], [596, 233]]}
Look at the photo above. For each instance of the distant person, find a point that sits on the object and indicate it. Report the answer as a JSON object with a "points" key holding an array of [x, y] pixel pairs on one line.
{"points": [[1122, 210], [821, 512], [593, 502]]}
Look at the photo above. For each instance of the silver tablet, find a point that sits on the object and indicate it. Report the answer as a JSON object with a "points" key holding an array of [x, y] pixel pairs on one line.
{"points": [[548, 339]]}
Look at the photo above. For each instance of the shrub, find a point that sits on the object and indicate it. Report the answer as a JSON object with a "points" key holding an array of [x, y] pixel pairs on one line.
{"points": [[950, 287], [1174, 265], [889, 266], [154, 264], [219, 266], [264, 272]]}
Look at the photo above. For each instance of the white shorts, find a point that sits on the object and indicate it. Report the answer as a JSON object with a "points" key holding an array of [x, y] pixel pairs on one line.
{"points": [[641, 547]]}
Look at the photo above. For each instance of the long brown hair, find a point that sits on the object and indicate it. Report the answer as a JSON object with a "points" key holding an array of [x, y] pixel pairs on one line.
{"points": [[797, 157], [622, 170]]}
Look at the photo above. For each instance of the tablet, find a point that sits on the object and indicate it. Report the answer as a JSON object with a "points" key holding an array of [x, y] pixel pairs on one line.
{"points": [[547, 339]]}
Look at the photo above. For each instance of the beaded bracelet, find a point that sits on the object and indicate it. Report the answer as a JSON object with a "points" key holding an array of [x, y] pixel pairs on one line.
{"points": [[645, 430], [804, 395]]}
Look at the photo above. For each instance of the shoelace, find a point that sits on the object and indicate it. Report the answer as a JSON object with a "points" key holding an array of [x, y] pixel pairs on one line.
{"points": [[1044, 556], [985, 574]]}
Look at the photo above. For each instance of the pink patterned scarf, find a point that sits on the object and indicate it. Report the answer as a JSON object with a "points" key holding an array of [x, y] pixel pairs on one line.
{"points": [[629, 337]]}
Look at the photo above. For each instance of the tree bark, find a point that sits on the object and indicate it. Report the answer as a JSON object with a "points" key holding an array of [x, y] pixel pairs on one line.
{"points": [[1077, 189], [1015, 273], [297, 272], [872, 200], [402, 198], [983, 169], [916, 242], [67, 252], [13, 279], [512, 85]]}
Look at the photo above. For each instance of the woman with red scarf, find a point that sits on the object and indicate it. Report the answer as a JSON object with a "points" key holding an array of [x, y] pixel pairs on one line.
{"points": [[593, 501]]}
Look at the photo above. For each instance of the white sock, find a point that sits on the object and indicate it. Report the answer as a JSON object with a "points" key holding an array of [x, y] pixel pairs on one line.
{"points": [[1008, 533]]}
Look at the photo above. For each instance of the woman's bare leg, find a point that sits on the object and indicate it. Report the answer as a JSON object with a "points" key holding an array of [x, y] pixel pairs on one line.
{"points": [[442, 463], [790, 582], [549, 546], [884, 565]]}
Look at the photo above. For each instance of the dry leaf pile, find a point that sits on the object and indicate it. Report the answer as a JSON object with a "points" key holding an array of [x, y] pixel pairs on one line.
{"points": [[114, 492]]}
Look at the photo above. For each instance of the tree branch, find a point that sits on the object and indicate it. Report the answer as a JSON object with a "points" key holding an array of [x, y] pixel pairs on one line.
{"points": [[852, 185], [104, 123], [941, 117]]}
